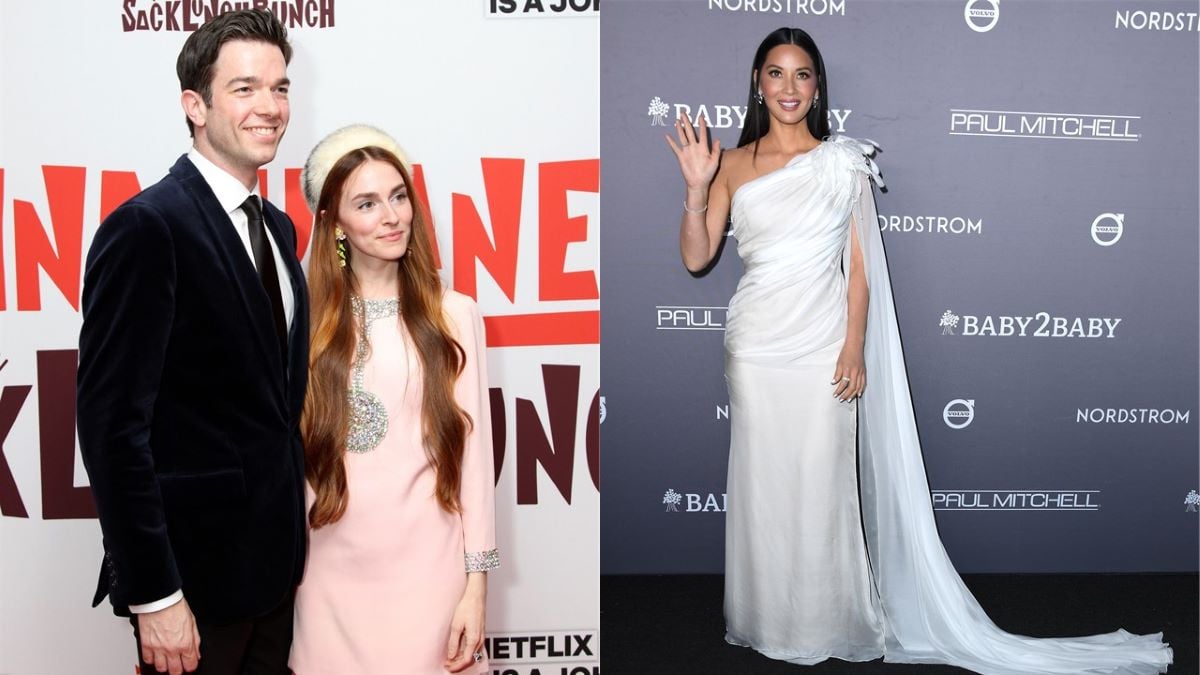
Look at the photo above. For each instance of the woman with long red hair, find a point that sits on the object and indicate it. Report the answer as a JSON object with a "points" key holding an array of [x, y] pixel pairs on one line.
{"points": [[396, 431]]}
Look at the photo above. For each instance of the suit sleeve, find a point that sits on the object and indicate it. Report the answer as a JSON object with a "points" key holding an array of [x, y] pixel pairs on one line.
{"points": [[477, 492], [128, 310]]}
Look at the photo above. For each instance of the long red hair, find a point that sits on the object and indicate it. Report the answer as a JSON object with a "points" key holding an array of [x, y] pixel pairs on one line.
{"points": [[326, 419]]}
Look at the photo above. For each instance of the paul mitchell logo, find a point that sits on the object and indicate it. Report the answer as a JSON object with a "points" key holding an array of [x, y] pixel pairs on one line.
{"points": [[1016, 124], [959, 413], [718, 116], [981, 15], [930, 224], [680, 317], [817, 7], [697, 502], [1041, 324], [1015, 500], [1107, 228], [1191, 500], [603, 410], [1156, 20], [1132, 416]]}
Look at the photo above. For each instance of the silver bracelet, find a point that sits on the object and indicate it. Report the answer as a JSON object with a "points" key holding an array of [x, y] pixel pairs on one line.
{"points": [[482, 561], [700, 210]]}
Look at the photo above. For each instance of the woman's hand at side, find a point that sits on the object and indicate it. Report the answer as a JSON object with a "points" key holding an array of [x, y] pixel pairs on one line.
{"points": [[466, 628], [850, 374]]}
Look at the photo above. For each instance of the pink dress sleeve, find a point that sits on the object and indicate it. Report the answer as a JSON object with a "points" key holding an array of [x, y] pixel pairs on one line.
{"points": [[477, 492]]}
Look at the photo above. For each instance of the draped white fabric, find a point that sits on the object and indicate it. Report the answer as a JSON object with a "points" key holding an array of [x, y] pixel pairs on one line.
{"points": [[929, 616], [797, 580]]}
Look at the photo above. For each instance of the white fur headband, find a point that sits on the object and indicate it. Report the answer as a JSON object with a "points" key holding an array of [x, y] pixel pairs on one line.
{"points": [[335, 146]]}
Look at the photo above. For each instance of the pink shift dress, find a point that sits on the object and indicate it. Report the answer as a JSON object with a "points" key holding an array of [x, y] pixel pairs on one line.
{"points": [[381, 584]]}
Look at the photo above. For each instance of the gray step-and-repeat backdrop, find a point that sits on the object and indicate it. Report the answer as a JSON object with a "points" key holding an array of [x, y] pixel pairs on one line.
{"points": [[1041, 226]]}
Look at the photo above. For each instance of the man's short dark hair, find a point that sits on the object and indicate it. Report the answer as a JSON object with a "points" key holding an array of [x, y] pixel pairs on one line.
{"points": [[199, 54]]}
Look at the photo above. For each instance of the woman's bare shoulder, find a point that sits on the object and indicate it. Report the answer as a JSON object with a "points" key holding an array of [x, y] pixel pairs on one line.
{"points": [[737, 167], [736, 156]]}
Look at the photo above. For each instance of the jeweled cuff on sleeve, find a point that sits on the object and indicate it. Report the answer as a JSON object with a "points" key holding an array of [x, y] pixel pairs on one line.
{"points": [[483, 561]]}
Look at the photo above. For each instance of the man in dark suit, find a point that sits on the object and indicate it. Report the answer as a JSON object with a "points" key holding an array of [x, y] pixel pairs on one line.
{"points": [[193, 367]]}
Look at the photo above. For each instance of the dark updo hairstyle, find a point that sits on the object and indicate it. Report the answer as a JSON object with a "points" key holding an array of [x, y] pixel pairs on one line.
{"points": [[758, 120]]}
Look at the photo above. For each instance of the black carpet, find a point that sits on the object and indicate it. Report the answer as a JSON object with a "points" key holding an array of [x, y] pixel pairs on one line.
{"points": [[673, 624]]}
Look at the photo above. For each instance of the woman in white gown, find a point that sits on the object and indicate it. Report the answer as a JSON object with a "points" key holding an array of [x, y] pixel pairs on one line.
{"points": [[822, 560]]}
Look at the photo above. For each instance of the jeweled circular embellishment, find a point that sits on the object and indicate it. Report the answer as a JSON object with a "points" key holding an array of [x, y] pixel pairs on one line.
{"points": [[368, 421]]}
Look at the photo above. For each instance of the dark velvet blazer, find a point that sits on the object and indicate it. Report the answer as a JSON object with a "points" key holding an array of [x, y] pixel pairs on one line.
{"points": [[188, 415]]}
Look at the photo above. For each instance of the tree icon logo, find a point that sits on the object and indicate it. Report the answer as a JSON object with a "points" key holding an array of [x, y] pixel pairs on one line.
{"points": [[1191, 500], [658, 112], [672, 498], [949, 322]]}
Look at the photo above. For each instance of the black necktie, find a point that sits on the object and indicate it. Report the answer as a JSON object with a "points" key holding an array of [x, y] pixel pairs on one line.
{"points": [[265, 262]]}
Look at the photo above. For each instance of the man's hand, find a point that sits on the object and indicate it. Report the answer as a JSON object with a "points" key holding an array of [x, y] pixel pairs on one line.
{"points": [[169, 639]]}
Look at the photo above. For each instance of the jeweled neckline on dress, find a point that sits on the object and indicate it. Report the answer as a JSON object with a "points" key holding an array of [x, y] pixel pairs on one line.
{"points": [[368, 416]]}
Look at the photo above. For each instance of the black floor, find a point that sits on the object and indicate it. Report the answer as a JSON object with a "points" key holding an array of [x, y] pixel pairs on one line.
{"points": [[672, 624]]}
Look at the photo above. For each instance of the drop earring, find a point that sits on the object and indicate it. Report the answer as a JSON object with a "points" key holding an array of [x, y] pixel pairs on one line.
{"points": [[759, 97], [341, 246]]}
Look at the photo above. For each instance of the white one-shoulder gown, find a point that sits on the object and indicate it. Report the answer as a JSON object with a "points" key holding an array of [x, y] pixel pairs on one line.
{"points": [[829, 552]]}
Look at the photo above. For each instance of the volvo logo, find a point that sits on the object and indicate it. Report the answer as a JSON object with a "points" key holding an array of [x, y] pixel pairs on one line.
{"points": [[959, 413], [1107, 228]]}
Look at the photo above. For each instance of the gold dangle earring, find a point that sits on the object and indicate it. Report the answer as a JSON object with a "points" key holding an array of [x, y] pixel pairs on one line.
{"points": [[341, 246]]}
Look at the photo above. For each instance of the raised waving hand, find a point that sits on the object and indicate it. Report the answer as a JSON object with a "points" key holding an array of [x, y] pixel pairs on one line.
{"points": [[697, 161], [701, 227]]}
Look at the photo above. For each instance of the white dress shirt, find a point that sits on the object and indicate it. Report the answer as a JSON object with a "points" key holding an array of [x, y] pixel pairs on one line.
{"points": [[231, 194]]}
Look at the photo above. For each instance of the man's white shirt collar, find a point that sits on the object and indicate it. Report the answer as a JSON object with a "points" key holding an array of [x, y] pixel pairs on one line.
{"points": [[229, 191]]}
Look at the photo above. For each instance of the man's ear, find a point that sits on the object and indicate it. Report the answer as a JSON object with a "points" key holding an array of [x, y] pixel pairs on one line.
{"points": [[194, 107]]}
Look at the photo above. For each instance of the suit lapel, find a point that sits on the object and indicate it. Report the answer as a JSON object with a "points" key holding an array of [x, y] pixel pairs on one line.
{"points": [[232, 254]]}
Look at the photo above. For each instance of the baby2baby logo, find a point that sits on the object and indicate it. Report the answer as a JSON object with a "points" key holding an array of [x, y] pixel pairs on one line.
{"points": [[1041, 324]]}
